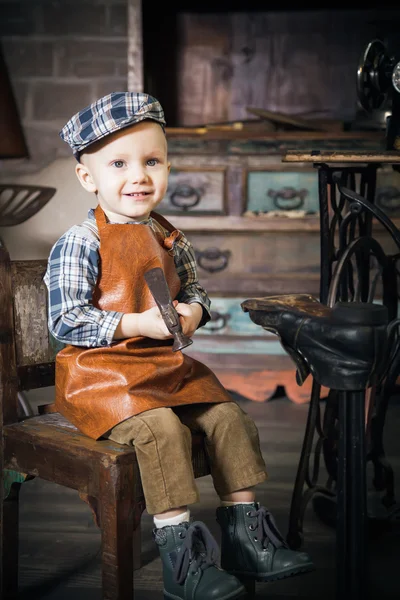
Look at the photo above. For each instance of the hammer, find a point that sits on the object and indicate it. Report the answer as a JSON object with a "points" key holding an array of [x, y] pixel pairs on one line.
{"points": [[158, 286]]}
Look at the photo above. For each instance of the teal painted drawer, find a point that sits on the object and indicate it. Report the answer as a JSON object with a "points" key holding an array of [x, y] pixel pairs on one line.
{"points": [[229, 319], [270, 191], [195, 191], [232, 332]]}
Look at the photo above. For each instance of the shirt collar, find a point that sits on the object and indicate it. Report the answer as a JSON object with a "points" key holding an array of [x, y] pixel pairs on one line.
{"points": [[148, 221]]}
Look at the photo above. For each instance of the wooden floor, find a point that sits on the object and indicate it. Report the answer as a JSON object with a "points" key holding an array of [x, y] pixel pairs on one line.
{"points": [[59, 543]]}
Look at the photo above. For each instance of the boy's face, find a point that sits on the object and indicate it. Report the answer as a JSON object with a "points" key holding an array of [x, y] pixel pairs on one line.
{"points": [[128, 171]]}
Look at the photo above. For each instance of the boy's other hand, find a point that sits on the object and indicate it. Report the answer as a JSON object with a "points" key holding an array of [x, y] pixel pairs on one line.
{"points": [[190, 316]]}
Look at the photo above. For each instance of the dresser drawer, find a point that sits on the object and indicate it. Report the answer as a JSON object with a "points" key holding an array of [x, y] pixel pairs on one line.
{"points": [[271, 191], [258, 253], [228, 319], [195, 191], [231, 336]]}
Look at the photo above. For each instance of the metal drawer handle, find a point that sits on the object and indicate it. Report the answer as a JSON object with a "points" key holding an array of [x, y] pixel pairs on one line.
{"points": [[288, 198], [212, 259], [185, 196], [218, 321]]}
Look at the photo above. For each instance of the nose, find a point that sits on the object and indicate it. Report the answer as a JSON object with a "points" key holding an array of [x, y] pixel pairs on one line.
{"points": [[138, 174]]}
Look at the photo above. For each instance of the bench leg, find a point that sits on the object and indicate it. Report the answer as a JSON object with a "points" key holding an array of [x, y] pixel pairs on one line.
{"points": [[9, 522], [137, 548], [116, 503]]}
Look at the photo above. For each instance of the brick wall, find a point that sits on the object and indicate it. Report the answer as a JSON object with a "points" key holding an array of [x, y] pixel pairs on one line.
{"points": [[61, 55]]}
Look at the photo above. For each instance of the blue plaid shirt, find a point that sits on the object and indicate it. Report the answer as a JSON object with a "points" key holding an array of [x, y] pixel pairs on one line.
{"points": [[71, 276]]}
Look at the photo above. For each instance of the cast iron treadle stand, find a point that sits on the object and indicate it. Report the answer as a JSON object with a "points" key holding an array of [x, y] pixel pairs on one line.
{"points": [[346, 196]]}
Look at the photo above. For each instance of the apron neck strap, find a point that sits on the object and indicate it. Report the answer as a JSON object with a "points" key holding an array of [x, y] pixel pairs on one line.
{"points": [[100, 217]]}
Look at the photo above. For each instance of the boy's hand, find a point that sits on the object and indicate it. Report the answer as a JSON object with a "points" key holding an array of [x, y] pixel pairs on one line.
{"points": [[151, 324], [190, 316]]}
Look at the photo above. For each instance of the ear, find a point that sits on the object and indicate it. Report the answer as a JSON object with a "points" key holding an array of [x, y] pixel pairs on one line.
{"points": [[85, 178], [169, 167]]}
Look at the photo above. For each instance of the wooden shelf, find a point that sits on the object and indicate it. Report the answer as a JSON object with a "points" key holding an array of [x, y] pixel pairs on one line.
{"points": [[215, 133], [386, 157], [224, 223]]}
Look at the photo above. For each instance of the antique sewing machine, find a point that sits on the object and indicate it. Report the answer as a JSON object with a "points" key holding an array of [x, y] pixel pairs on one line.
{"points": [[378, 80]]}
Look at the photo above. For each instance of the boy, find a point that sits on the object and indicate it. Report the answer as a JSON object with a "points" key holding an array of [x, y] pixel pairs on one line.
{"points": [[118, 377]]}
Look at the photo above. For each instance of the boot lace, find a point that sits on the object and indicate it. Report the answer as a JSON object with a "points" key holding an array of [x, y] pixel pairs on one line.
{"points": [[267, 530], [199, 550]]}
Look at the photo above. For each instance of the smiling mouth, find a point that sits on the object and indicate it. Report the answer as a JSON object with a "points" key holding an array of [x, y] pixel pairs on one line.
{"points": [[138, 194], [138, 197]]}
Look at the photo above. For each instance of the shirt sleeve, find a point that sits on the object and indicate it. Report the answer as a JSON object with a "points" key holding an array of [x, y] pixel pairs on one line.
{"points": [[71, 276], [191, 290]]}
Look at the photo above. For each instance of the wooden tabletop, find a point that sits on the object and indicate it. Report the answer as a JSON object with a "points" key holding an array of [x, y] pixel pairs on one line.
{"points": [[342, 157]]}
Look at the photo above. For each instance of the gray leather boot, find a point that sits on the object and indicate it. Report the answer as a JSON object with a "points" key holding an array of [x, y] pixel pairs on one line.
{"points": [[252, 548], [189, 555]]}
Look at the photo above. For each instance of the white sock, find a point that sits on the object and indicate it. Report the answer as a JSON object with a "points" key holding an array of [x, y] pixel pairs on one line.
{"points": [[226, 503], [185, 516]]}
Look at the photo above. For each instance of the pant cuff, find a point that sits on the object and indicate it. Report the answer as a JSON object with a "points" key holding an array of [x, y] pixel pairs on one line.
{"points": [[170, 503], [252, 481]]}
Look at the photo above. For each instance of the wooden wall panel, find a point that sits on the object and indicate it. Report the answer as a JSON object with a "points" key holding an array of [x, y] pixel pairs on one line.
{"points": [[204, 68], [291, 62]]}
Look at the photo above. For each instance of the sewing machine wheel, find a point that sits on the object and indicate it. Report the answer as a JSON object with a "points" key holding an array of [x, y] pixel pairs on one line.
{"points": [[374, 76], [396, 77]]}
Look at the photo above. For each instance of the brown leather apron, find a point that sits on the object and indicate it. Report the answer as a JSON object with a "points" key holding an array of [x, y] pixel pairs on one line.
{"points": [[97, 388]]}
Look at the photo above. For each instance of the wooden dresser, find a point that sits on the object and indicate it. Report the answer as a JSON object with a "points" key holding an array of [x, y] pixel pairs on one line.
{"points": [[253, 221]]}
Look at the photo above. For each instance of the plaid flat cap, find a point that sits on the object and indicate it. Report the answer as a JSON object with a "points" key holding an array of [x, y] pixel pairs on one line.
{"points": [[107, 115]]}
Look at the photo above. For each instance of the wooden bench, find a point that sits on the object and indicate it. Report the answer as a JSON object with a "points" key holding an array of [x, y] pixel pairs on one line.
{"points": [[104, 473]]}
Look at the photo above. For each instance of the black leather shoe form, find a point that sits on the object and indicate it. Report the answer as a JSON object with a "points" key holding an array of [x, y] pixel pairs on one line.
{"points": [[344, 347]]}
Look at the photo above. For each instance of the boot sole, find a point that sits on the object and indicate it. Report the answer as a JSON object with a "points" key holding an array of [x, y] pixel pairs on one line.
{"points": [[241, 593], [283, 574]]}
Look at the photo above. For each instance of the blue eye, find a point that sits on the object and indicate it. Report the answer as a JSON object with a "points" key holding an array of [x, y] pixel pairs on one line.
{"points": [[118, 164], [152, 162]]}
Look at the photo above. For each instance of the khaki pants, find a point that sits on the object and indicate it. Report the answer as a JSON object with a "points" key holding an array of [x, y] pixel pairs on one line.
{"points": [[162, 439]]}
